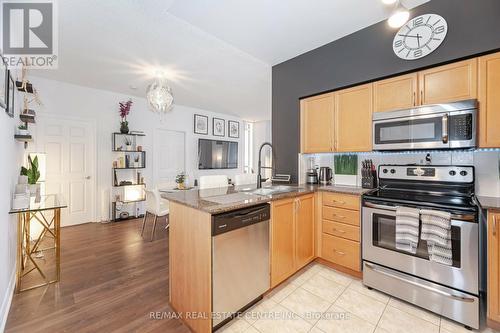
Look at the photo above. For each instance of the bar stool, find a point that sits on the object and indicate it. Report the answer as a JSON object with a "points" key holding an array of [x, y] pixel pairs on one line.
{"points": [[155, 206]]}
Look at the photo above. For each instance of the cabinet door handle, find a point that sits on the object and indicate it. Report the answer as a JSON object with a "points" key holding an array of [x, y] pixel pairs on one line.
{"points": [[421, 97], [339, 202], [337, 230], [339, 216], [494, 225], [339, 252], [414, 99]]}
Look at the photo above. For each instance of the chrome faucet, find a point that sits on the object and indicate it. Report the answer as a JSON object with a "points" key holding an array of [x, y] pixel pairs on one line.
{"points": [[260, 167]]}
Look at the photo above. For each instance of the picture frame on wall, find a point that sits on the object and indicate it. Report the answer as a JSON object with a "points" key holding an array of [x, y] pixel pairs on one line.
{"points": [[233, 129], [4, 80], [200, 124], [218, 127], [11, 93]]}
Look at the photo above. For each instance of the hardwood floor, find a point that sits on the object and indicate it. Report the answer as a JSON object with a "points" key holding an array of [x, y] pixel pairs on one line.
{"points": [[111, 281]]}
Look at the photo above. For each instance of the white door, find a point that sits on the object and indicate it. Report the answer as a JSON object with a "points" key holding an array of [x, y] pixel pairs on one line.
{"points": [[168, 155], [70, 165]]}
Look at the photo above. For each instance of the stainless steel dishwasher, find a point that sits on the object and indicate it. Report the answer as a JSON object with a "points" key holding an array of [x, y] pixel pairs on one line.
{"points": [[240, 260]]}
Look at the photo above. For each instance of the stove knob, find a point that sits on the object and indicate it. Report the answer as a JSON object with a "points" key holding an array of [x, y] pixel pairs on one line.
{"points": [[385, 171], [453, 173], [463, 173], [393, 171]]}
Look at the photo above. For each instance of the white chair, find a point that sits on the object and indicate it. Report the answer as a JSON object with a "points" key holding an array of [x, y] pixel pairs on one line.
{"points": [[213, 181], [156, 206], [245, 179]]}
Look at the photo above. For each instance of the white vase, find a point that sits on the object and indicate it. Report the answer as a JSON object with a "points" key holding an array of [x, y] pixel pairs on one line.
{"points": [[346, 180], [34, 190]]}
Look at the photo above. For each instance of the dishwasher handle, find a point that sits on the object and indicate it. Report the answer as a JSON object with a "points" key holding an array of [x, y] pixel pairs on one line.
{"points": [[240, 218]]}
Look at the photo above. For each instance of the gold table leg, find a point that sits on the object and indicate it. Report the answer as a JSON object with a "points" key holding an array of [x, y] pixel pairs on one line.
{"points": [[25, 251]]}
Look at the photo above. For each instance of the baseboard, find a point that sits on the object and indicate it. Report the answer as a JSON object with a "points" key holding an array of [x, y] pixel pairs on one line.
{"points": [[7, 300]]}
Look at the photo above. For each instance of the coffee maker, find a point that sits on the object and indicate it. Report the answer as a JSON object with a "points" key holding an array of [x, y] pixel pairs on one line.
{"points": [[312, 173]]}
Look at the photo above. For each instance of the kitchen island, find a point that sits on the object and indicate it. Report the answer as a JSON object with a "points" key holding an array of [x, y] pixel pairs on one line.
{"points": [[190, 239]]}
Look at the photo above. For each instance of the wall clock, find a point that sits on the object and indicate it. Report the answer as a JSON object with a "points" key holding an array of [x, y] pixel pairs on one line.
{"points": [[420, 36]]}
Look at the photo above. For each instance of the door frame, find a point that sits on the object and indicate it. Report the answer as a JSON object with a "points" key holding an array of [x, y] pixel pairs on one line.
{"points": [[93, 165]]}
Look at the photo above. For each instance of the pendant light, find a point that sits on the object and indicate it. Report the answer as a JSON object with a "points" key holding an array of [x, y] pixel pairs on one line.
{"points": [[399, 16], [159, 95]]}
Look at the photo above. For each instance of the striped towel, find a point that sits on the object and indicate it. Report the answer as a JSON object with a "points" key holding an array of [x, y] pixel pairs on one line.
{"points": [[436, 230], [407, 223]]}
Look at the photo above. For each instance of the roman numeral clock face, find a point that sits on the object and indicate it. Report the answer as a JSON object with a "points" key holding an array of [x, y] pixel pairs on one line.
{"points": [[420, 36]]}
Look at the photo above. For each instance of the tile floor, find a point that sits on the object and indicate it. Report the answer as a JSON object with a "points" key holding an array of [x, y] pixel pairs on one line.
{"points": [[321, 300]]}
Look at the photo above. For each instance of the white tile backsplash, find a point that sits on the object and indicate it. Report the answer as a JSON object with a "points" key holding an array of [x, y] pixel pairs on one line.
{"points": [[486, 163]]}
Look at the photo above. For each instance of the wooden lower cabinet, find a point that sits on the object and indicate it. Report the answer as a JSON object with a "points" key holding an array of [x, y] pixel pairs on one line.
{"points": [[341, 231], [494, 269], [304, 231], [342, 252], [282, 236], [292, 236]]}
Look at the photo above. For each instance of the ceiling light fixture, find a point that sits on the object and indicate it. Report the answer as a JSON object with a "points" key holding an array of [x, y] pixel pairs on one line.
{"points": [[399, 16], [159, 95], [389, 2]]}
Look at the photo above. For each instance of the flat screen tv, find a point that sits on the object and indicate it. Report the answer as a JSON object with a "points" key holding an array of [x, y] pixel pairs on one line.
{"points": [[217, 154]]}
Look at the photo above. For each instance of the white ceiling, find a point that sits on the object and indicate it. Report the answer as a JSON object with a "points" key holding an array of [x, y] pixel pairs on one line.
{"points": [[217, 53]]}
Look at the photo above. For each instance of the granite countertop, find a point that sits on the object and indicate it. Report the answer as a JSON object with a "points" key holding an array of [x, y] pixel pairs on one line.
{"points": [[223, 199], [489, 202]]}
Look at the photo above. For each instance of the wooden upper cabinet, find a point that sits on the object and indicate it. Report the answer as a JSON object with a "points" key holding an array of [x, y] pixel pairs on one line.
{"points": [[316, 124], [489, 101], [282, 240], [494, 266], [453, 82], [353, 119], [395, 93], [304, 230]]}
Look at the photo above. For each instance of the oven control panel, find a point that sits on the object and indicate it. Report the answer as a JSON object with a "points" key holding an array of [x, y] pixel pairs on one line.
{"points": [[455, 174]]}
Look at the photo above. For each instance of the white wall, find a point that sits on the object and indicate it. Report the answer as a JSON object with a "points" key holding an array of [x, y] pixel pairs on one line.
{"points": [[12, 155], [68, 100], [261, 134], [486, 165]]}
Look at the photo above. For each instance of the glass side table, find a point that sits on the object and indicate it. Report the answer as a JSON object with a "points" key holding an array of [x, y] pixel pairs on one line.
{"points": [[26, 259]]}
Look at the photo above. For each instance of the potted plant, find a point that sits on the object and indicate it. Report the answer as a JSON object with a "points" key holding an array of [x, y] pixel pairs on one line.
{"points": [[180, 180], [23, 129], [33, 175], [124, 112]]}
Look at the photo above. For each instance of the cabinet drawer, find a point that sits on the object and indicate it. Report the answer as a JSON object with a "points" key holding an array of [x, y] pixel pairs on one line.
{"points": [[341, 251], [341, 230], [341, 200], [341, 215]]}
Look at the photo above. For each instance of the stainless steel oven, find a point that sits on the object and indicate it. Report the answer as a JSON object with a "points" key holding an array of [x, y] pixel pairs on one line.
{"points": [[449, 290], [439, 126]]}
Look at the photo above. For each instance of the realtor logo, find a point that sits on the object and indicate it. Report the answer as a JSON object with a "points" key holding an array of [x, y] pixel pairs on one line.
{"points": [[29, 34]]}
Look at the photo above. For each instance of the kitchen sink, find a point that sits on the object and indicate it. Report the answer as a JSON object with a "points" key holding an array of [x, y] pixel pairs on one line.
{"points": [[272, 190]]}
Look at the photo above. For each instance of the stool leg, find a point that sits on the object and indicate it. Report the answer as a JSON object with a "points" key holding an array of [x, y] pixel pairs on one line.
{"points": [[154, 228], [144, 222]]}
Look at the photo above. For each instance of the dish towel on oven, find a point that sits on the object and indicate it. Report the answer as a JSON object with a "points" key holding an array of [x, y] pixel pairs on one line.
{"points": [[436, 230], [407, 223]]}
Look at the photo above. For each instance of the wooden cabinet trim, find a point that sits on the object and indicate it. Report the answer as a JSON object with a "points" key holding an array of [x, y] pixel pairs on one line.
{"points": [[489, 103]]}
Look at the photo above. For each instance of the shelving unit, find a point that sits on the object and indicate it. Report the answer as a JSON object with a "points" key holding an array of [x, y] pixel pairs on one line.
{"points": [[27, 116], [128, 187]]}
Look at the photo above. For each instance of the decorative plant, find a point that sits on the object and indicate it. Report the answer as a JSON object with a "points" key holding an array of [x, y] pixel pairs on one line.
{"points": [[124, 112], [32, 171], [180, 179], [22, 127], [346, 164]]}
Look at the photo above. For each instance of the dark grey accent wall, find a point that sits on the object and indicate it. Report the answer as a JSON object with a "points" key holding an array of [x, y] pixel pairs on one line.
{"points": [[366, 55]]}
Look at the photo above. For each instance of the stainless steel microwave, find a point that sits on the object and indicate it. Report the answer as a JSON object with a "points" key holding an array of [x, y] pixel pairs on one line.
{"points": [[438, 126]]}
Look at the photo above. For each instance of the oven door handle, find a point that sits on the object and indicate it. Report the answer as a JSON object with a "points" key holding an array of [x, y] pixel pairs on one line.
{"points": [[445, 128], [416, 284], [461, 217]]}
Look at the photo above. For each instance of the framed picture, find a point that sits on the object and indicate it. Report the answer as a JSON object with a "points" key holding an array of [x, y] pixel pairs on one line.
{"points": [[200, 124], [233, 129], [219, 127], [4, 77], [11, 92]]}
